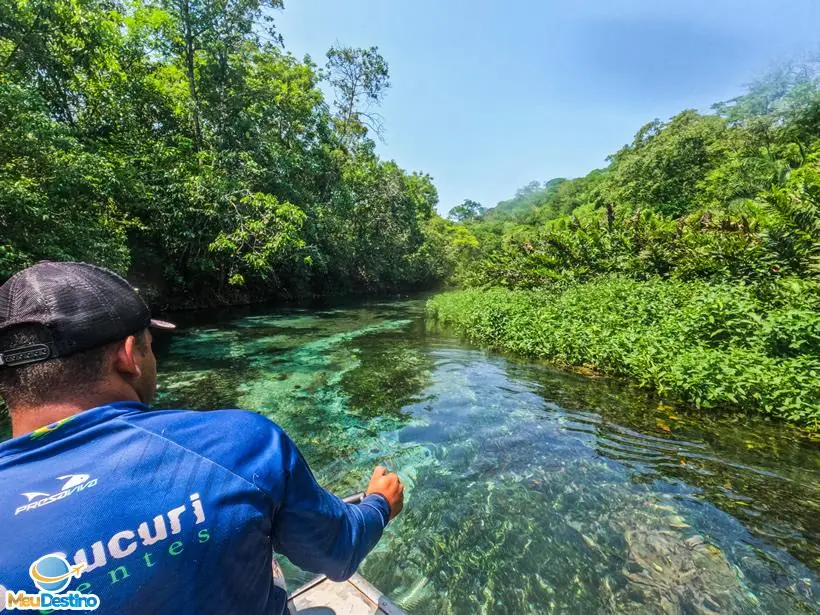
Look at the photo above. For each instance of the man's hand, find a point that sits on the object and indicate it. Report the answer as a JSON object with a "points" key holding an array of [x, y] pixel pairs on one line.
{"points": [[387, 484]]}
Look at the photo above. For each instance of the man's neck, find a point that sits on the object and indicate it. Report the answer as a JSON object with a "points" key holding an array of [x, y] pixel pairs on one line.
{"points": [[27, 419]]}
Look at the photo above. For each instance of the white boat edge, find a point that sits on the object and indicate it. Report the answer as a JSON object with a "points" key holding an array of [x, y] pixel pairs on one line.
{"points": [[379, 603]]}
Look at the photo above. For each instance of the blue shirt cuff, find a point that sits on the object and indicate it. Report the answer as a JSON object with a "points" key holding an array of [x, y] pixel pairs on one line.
{"points": [[379, 502]]}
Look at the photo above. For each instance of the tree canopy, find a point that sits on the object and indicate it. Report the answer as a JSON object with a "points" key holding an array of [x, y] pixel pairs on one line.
{"points": [[179, 142], [469, 210]]}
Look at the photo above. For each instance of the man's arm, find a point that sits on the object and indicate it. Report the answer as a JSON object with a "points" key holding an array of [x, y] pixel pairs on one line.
{"points": [[320, 533], [312, 527]]}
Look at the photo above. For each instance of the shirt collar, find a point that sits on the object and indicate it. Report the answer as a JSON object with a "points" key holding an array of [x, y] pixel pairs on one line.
{"points": [[71, 425]]}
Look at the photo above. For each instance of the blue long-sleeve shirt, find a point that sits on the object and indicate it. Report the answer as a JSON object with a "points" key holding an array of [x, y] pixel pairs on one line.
{"points": [[174, 511]]}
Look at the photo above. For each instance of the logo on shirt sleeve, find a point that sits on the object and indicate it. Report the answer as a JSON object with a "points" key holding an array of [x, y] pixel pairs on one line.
{"points": [[72, 483]]}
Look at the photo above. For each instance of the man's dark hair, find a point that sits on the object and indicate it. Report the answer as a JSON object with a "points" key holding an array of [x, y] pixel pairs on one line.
{"points": [[51, 380]]}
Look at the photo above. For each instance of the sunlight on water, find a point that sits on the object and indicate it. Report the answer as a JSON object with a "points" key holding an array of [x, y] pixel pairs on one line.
{"points": [[528, 490]]}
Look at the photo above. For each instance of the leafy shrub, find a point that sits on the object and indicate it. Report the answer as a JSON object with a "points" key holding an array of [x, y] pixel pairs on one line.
{"points": [[713, 345]]}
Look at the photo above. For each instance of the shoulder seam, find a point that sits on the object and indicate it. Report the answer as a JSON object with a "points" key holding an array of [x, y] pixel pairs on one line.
{"points": [[200, 455]]}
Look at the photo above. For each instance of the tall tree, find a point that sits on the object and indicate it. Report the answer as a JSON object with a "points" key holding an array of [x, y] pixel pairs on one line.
{"points": [[469, 210], [360, 79], [203, 35]]}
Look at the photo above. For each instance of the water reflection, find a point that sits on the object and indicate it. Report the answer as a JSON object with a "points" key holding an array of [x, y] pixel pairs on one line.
{"points": [[529, 490]]}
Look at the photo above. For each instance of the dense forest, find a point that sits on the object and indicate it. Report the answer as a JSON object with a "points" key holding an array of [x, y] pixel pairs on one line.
{"points": [[179, 142], [690, 264]]}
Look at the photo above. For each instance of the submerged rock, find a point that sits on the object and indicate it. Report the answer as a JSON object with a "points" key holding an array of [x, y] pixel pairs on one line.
{"points": [[682, 575]]}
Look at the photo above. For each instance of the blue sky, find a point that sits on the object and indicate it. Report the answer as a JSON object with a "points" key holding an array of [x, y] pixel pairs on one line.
{"points": [[489, 95]]}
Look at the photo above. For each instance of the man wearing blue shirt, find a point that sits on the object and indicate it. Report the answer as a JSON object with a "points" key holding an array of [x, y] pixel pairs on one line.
{"points": [[152, 511]]}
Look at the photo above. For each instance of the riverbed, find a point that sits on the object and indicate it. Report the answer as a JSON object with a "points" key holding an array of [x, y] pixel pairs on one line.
{"points": [[528, 489]]}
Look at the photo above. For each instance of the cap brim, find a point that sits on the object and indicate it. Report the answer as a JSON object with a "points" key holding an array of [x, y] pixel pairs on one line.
{"points": [[162, 324]]}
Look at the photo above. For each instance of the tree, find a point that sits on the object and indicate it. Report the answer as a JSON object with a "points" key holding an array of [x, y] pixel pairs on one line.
{"points": [[467, 211], [204, 36], [664, 166], [773, 94], [59, 76], [793, 234], [360, 79], [55, 197], [526, 200], [65, 51]]}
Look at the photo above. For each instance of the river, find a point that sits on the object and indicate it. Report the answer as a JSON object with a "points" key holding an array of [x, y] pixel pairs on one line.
{"points": [[528, 490]]}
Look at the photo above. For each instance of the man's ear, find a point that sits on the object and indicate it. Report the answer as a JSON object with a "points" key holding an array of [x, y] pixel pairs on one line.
{"points": [[126, 360]]}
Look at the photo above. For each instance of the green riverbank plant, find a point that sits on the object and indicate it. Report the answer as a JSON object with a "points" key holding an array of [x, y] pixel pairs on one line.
{"points": [[715, 346]]}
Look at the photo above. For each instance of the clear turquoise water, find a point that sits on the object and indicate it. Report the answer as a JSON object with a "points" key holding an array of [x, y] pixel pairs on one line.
{"points": [[528, 490]]}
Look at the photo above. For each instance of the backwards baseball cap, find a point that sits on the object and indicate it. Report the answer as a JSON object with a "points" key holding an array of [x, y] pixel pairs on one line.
{"points": [[75, 306]]}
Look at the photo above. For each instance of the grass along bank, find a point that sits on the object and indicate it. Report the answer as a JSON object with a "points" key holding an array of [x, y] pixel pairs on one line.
{"points": [[717, 346]]}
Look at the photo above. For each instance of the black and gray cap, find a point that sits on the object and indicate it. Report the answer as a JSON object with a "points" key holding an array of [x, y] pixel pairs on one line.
{"points": [[76, 307]]}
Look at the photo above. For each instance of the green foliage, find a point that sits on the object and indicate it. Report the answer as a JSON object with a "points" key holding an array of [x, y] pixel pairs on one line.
{"points": [[774, 94], [56, 200], [637, 243], [526, 199], [448, 251], [178, 142], [693, 198], [730, 196], [793, 233], [262, 234], [467, 211], [666, 163], [712, 345]]}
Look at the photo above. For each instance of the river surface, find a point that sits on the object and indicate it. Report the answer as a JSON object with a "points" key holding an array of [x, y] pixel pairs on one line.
{"points": [[528, 490]]}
